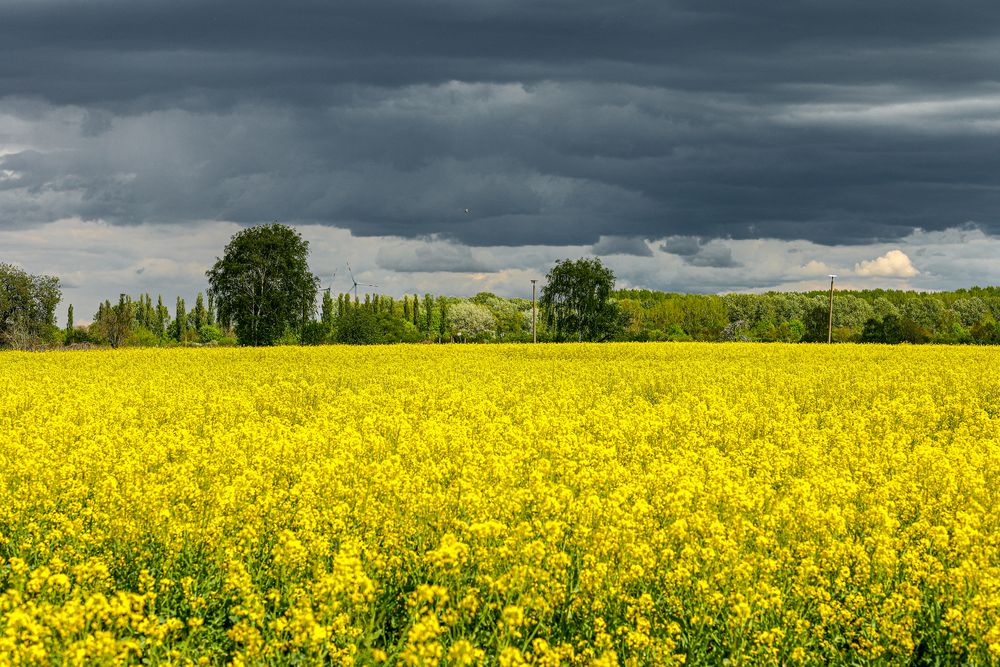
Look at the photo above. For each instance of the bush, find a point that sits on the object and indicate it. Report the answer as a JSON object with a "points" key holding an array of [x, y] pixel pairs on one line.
{"points": [[288, 338], [209, 333], [396, 330], [142, 337], [314, 333], [358, 326]]}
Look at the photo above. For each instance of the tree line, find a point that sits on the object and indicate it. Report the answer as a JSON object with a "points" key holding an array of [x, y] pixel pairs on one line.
{"points": [[964, 316], [262, 292]]}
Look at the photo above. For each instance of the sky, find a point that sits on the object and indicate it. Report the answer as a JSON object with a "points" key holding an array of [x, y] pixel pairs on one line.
{"points": [[467, 145]]}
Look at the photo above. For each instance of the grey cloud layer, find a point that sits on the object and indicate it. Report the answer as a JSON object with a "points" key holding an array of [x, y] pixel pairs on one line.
{"points": [[586, 123]]}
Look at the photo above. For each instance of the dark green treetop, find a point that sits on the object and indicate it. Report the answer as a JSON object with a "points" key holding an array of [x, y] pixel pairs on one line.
{"points": [[263, 285], [576, 300]]}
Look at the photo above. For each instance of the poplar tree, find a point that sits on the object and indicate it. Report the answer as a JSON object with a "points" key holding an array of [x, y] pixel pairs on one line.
{"points": [[210, 313], [327, 313], [443, 323], [406, 307], [416, 311], [69, 325], [200, 318], [145, 313], [180, 322], [428, 313], [161, 317]]}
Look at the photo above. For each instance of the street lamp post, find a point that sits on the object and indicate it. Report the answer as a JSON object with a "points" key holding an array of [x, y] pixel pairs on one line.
{"points": [[829, 331], [534, 333]]}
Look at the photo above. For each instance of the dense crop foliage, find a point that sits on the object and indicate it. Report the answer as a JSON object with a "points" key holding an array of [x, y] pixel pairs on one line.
{"points": [[615, 504]]}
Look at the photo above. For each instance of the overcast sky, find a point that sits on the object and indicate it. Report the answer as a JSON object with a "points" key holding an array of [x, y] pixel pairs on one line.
{"points": [[703, 146]]}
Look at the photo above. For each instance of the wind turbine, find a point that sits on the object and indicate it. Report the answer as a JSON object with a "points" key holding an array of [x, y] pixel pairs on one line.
{"points": [[356, 283], [332, 278]]}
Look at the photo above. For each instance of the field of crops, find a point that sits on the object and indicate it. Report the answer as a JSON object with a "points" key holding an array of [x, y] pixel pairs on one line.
{"points": [[634, 504]]}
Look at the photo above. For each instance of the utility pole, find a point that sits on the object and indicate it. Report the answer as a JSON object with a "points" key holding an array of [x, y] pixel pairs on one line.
{"points": [[829, 331], [534, 333]]}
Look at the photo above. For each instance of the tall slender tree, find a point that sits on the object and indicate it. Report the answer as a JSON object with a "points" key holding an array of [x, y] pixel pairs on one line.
{"points": [[180, 320], [69, 325], [200, 315], [327, 312], [210, 313], [443, 321], [160, 318]]}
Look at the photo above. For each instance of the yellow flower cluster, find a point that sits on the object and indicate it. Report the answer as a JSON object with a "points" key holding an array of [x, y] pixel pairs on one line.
{"points": [[632, 504]]}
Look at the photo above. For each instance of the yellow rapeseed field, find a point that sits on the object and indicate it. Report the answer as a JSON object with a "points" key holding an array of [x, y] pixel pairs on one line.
{"points": [[633, 504]]}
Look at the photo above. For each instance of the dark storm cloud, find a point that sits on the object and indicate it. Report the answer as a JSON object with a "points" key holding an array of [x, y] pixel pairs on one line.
{"points": [[696, 252], [715, 256], [552, 122], [683, 246], [448, 258], [621, 245]]}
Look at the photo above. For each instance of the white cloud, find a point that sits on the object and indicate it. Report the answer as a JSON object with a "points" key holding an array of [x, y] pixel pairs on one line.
{"points": [[893, 264], [815, 268], [970, 114]]}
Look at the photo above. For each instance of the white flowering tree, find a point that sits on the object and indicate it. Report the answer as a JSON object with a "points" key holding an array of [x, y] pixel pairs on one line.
{"points": [[470, 321]]}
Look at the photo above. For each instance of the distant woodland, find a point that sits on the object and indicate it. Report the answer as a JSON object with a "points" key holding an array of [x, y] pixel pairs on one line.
{"points": [[251, 302], [965, 316]]}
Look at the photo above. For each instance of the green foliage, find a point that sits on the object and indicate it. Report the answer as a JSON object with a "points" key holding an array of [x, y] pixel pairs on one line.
{"points": [[115, 324], [27, 308], [161, 317], [210, 313], [395, 330], [576, 299], [358, 326], [471, 322], [142, 337], [986, 332], [314, 333], [892, 329], [442, 317], [179, 329], [327, 314], [199, 316], [209, 333], [263, 285], [69, 331], [289, 337]]}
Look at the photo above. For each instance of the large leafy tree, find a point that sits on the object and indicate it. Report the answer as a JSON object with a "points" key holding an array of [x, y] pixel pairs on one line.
{"points": [[262, 285], [576, 300], [27, 307], [116, 323]]}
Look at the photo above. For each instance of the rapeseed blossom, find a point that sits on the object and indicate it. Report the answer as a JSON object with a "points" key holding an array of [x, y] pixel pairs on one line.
{"points": [[621, 504]]}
